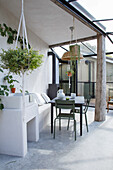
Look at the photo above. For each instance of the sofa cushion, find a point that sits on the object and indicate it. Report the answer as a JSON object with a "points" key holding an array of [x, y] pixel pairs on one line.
{"points": [[45, 97], [39, 99], [44, 108]]}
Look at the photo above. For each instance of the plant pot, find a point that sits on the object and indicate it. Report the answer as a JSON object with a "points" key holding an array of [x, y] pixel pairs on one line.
{"points": [[69, 74], [13, 90]]}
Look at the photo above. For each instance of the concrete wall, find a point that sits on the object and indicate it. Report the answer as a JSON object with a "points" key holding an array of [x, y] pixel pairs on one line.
{"points": [[39, 79]]}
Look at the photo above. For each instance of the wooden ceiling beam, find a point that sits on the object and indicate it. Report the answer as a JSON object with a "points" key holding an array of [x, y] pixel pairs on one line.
{"points": [[73, 41]]}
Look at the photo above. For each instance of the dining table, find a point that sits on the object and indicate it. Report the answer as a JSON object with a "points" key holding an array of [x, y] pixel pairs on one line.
{"points": [[79, 102]]}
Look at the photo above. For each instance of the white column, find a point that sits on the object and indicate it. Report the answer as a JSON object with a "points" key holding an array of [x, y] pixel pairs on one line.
{"points": [[100, 103]]}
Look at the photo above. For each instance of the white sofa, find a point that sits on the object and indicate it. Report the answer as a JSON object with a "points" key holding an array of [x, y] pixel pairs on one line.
{"points": [[44, 109], [44, 115]]}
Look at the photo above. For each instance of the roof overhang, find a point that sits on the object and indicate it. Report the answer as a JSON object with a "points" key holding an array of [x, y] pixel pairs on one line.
{"points": [[51, 23]]}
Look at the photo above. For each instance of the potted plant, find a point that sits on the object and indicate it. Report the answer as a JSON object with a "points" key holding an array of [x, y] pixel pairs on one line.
{"points": [[10, 80], [19, 61], [70, 73]]}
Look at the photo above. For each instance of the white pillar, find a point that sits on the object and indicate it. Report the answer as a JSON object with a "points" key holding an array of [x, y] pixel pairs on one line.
{"points": [[100, 103]]}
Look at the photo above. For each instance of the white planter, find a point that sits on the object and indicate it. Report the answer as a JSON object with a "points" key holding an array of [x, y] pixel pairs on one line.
{"points": [[15, 101]]}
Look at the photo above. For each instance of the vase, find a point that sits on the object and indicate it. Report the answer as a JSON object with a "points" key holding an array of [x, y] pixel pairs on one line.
{"points": [[60, 94]]}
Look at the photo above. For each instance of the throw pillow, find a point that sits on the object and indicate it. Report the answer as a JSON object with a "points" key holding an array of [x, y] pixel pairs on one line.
{"points": [[45, 97], [39, 99]]}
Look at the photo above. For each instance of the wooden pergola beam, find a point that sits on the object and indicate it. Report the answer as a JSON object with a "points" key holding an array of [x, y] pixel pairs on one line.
{"points": [[100, 102], [74, 41]]}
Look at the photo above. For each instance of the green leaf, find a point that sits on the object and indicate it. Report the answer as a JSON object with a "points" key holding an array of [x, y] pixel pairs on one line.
{"points": [[20, 59], [6, 93], [11, 86], [4, 87], [1, 70], [1, 92], [1, 106], [10, 40], [5, 25]]}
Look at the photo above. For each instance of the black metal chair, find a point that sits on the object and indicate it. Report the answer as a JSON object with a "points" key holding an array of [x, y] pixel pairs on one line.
{"points": [[64, 104], [77, 110]]}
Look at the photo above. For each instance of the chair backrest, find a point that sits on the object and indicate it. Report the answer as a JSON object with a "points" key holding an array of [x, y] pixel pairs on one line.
{"points": [[87, 101], [65, 104]]}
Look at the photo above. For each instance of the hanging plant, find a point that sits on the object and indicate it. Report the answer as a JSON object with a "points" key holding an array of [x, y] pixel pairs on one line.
{"points": [[75, 52], [20, 60], [70, 73]]}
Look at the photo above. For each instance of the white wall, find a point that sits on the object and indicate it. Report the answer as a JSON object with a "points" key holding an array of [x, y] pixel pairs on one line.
{"points": [[39, 79], [57, 71]]}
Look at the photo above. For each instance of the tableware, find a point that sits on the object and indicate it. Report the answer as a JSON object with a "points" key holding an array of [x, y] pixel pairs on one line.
{"points": [[60, 94], [73, 95]]}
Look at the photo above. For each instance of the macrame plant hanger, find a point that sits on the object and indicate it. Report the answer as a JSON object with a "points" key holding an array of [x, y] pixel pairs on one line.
{"points": [[24, 35], [69, 62]]}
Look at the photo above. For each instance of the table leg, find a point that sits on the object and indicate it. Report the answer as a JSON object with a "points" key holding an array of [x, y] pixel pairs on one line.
{"points": [[51, 117], [80, 120]]}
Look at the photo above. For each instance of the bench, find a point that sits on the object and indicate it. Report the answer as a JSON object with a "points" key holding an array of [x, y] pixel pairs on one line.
{"points": [[44, 109]]}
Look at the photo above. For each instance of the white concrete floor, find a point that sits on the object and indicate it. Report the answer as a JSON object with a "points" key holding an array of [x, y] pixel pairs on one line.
{"points": [[92, 151]]}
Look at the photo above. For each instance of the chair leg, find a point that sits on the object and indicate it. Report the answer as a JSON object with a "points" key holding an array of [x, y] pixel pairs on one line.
{"points": [[68, 123], [107, 107], [75, 128], [59, 123], [86, 122], [54, 128]]}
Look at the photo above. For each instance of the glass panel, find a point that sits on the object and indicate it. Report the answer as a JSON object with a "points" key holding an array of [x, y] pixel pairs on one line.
{"points": [[65, 87], [60, 51], [89, 47], [109, 92], [62, 72], [109, 72]]}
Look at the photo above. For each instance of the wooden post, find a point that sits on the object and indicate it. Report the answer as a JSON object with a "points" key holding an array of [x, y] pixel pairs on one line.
{"points": [[100, 103]]}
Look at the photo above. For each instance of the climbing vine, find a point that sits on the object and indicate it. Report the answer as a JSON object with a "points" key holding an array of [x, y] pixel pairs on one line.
{"points": [[11, 35]]}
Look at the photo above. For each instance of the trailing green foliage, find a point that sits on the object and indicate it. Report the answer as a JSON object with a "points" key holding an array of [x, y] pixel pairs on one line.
{"points": [[4, 91], [20, 60], [75, 52], [6, 31], [10, 80], [1, 70], [1, 106]]}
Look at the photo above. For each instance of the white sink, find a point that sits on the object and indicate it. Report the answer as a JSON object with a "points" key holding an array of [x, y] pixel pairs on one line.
{"points": [[15, 101]]}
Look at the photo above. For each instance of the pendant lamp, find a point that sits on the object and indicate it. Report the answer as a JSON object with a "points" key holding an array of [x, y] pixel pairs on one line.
{"points": [[74, 50], [72, 55]]}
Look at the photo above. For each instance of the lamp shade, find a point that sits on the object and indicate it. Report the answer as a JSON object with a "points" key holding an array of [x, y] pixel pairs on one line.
{"points": [[73, 54]]}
